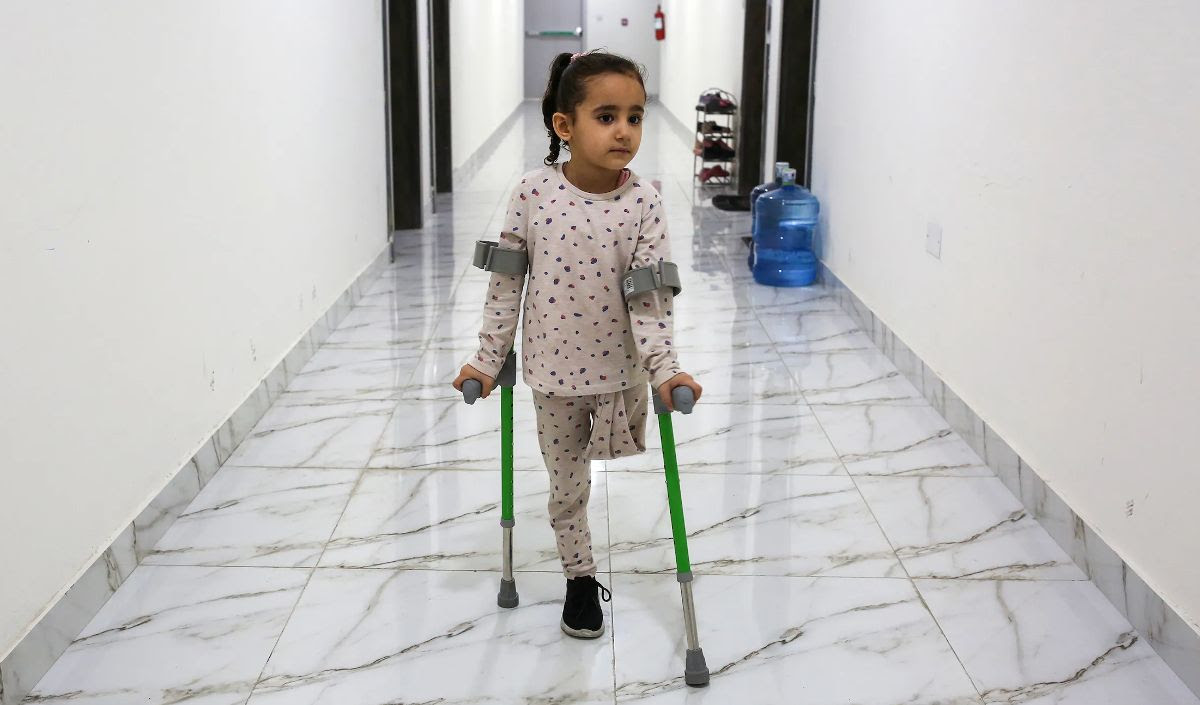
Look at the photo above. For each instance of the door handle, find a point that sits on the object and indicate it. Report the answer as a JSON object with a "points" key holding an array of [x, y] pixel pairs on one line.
{"points": [[555, 33]]}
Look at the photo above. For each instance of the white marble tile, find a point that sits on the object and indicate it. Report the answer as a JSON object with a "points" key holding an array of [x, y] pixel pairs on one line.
{"points": [[769, 300], [933, 388], [1003, 459], [801, 641], [451, 434], [398, 293], [964, 421], [1044, 643], [205, 463], [248, 414], [177, 634], [1176, 641], [315, 429], [434, 373], [157, 518], [741, 439], [742, 376], [382, 637], [357, 370], [897, 438], [715, 331], [458, 329], [278, 517], [748, 525], [276, 381], [799, 333], [964, 527], [372, 327], [33, 657], [450, 520], [848, 377]]}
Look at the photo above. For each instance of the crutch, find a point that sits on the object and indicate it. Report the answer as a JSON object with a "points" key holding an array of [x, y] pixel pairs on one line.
{"points": [[471, 389], [695, 670]]}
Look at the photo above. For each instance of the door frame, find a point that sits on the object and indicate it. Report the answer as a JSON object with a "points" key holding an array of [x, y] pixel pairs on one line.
{"points": [[797, 72], [439, 90]]}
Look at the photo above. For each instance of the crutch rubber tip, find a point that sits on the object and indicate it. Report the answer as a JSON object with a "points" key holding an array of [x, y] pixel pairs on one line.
{"points": [[695, 670], [508, 597]]}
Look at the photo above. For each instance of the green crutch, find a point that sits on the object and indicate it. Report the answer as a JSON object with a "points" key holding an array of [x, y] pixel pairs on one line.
{"points": [[695, 670], [471, 389]]}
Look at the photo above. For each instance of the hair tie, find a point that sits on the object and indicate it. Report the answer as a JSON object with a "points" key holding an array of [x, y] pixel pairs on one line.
{"points": [[576, 56]]}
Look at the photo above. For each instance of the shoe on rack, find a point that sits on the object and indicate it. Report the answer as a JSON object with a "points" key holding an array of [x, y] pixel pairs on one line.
{"points": [[715, 103], [713, 172], [582, 617], [718, 150], [711, 128]]}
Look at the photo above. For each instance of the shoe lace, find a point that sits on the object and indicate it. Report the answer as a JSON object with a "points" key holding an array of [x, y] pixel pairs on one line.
{"points": [[605, 594]]}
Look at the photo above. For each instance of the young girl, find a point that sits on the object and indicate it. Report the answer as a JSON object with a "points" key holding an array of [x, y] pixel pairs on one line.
{"points": [[588, 352]]}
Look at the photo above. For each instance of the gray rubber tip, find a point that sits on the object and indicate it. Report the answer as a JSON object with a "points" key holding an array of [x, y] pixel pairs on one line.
{"points": [[471, 389], [695, 670], [684, 399], [508, 597]]}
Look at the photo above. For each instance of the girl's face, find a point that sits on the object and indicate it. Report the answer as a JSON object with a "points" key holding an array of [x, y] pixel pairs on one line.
{"points": [[605, 130]]}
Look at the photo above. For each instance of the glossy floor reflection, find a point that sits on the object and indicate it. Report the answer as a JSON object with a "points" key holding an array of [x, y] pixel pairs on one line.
{"points": [[849, 547]]}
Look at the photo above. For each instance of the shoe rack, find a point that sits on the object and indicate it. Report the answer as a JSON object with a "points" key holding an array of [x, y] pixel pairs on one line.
{"points": [[715, 162]]}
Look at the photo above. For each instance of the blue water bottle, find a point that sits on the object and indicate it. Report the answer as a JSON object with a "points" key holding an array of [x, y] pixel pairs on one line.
{"points": [[784, 222], [758, 191]]}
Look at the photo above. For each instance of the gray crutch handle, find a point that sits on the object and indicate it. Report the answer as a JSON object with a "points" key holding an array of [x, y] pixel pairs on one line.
{"points": [[684, 399], [472, 389]]}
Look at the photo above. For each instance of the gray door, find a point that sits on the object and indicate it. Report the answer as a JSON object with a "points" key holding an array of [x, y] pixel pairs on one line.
{"points": [[551, 27]]}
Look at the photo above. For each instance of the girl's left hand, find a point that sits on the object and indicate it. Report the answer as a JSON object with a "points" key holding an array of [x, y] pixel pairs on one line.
{"points": [[682, 379]]}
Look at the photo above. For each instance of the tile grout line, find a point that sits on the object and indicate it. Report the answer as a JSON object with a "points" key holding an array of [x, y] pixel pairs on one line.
{"points": [[612, 635], [312, 571], [854, 481]]}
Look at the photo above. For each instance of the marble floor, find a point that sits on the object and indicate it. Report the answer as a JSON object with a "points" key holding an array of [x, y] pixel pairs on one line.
{"points": [[849, 547]]}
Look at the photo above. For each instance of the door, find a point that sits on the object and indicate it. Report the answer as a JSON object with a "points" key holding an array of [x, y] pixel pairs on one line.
{"points": [[551, 27], [403, 114]]}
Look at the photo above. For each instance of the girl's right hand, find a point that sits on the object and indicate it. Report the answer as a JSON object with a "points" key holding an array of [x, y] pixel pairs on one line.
{"points": [[467, 372]]}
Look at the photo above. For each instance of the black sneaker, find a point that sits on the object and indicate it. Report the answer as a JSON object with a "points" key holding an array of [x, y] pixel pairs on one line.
{"points": [[582, 617]]}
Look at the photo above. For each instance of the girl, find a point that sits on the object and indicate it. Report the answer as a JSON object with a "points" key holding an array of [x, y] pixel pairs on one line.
{"points": [[587, 352]]}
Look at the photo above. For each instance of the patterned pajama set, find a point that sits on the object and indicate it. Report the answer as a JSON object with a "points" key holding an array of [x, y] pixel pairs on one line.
{"points": [[587, 353]]}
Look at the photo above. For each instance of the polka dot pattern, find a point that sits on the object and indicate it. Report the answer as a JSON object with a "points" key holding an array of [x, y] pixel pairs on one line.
{"points": [[580, 336], [573, 431]]}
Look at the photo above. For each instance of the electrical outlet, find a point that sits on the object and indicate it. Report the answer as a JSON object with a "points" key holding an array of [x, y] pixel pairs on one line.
{"points": [[933, 240]]}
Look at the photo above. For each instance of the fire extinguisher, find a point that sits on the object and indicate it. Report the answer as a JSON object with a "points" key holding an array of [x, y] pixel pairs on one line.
{"points": [[660, 24]]}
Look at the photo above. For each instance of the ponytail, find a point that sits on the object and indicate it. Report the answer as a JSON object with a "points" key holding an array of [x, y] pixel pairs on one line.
{"points": [[566, 88], [550, 103]]}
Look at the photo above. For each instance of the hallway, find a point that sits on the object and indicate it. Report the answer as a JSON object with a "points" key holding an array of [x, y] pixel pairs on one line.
{"points": [[849, 547]]}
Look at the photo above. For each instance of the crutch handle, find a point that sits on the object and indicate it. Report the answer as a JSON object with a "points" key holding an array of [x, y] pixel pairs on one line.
{"points": [[683, 398], [472, 389]]}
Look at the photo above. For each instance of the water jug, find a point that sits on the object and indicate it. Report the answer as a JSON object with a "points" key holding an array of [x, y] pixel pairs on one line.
{"points": [[784, 222], [754, 195]]}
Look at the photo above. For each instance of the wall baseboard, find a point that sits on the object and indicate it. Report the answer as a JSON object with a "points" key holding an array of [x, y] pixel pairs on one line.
{"points": [[1172, 637], [33, 656], [685, 133], [465, 173]]}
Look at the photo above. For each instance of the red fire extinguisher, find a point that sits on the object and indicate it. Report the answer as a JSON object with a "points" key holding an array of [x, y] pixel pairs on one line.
{"points": [[660, 24]]}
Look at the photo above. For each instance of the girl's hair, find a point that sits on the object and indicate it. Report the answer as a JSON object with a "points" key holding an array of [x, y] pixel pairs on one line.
{"points": [[567, 86]]}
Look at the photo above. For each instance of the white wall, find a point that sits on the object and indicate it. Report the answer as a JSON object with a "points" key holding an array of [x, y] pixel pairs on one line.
{"points": [[703, 48], [487, 70], [185, 189], [1056, 145], [603, 30]]}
